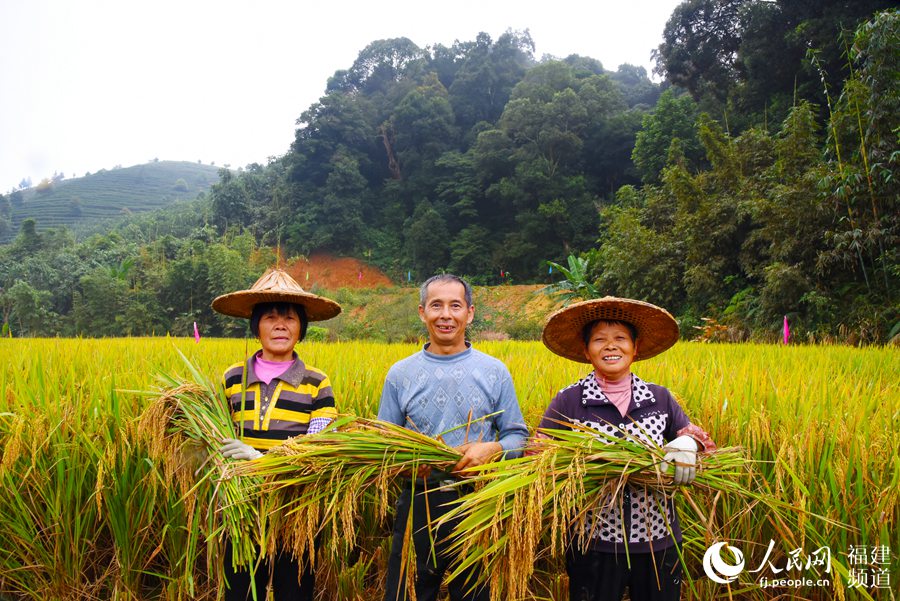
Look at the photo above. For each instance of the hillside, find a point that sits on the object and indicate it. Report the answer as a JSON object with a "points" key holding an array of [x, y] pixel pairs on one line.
{"points": [[111, 193], [390, 314], [376, 308]]}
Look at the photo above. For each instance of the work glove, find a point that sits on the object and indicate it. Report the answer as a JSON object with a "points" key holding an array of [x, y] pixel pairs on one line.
{"points": [[235, 449], [682, 453]]}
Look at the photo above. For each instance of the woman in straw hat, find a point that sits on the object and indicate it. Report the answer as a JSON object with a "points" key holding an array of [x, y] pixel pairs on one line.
{"points": [[610, 334], [274, 396]]}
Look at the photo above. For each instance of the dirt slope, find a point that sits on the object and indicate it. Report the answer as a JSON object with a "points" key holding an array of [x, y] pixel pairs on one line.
{"points": [[332, 273]]}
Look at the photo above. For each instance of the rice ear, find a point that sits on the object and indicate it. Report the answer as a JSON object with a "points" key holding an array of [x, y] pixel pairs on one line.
{"points": [[321, 485], [547, 500], [181, 430]]}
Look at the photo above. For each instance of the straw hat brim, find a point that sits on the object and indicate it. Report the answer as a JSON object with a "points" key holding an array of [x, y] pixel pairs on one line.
{"points": [[656, 329], [241, 303], [276, 286]]}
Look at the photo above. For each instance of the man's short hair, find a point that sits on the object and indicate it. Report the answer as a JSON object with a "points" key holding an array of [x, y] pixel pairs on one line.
{"points": [[282, 309], [444, 277]]}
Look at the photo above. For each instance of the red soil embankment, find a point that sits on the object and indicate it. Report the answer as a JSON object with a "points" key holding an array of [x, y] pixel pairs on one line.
{"points": [[331, 273]]}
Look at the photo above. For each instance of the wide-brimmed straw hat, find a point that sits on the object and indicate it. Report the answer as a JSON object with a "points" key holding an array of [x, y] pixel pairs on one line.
{"points": [[276, 286], [656, 329]]}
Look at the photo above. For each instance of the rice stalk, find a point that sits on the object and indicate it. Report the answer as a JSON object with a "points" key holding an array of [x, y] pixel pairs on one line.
{"points": [[538, 504], [318, 485], [836, 405], [53, 542], [182, 429]]}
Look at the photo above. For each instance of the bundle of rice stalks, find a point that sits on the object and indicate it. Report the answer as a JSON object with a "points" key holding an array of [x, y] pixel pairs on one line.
{"points": [[317, 486], [534, 506], [182, 430]]}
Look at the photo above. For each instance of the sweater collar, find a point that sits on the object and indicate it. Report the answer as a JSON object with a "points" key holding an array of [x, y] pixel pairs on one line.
{"points": [[293, 375], [447, 358], [592, 394]]}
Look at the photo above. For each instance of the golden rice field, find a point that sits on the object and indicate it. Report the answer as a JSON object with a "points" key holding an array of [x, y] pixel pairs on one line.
{"points": [[86, 514]]}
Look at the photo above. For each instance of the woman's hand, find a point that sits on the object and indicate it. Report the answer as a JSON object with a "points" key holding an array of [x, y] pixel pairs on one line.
{"points": [[235, 449], [682, 453], [534, 445]]}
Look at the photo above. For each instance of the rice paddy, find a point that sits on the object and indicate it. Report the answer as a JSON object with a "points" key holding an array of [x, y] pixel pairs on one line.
{"points": [[93, 510]]}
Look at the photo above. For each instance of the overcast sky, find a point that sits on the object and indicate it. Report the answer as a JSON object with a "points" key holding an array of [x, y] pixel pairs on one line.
{"points": [[91, 84]]}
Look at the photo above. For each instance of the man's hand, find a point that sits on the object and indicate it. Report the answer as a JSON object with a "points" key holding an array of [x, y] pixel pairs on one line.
{"points": [[682, 452], [235, 449], [476, 453]]}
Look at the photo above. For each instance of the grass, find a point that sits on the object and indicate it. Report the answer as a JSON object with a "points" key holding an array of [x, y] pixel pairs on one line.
{"points": [[90, 513]]}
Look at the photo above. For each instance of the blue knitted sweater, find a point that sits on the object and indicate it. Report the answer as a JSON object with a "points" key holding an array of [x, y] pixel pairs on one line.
{"points": [[434, 393]]}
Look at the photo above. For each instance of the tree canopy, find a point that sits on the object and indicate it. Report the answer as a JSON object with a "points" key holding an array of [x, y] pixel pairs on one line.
{"points": [[758, 180]]}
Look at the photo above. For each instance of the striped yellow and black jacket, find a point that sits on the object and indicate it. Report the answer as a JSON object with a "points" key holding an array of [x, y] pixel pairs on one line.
{"points": [[286, 407]]}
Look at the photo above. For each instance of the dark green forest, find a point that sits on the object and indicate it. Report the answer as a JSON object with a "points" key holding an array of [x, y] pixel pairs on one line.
{"points": [[758, 179]]}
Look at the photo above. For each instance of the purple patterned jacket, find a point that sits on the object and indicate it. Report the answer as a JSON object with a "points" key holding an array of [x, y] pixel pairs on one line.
{"points": [[643, 517]]}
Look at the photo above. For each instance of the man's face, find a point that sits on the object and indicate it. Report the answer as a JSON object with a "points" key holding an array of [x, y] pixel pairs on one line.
{"points": [[446, 315]]}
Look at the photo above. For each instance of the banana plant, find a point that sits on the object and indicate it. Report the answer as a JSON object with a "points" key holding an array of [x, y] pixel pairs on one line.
{"points": [[576, 286]]}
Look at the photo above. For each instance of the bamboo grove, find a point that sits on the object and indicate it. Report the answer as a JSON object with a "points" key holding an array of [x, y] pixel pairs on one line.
{"points": [[99, 503]]}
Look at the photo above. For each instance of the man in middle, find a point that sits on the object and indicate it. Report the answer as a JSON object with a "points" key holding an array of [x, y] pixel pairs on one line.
{"points": [[446, 385]]}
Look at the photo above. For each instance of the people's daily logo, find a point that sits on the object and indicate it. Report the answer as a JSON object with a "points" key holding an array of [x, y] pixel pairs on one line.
{"points": [[717, 569], [869, 566]]}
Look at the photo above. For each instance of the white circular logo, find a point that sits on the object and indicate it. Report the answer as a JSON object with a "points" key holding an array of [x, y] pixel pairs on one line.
{"points": [[716, 568]]}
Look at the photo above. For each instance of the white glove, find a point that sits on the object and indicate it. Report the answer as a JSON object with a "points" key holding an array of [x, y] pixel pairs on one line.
{"points": [[682, 452], [235, 449]]}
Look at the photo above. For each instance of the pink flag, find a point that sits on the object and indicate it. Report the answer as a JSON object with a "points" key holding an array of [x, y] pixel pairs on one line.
{"points": [[787, 330], [196, 333], [360, 276]]}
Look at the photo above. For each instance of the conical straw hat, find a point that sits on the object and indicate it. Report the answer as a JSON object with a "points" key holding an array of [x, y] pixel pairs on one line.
{"points": [[275, 286], [656, 329]]}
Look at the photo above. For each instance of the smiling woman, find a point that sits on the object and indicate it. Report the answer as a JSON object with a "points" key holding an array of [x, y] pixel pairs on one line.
{"points": [[611, 347], [611, 333], [274, 396]]}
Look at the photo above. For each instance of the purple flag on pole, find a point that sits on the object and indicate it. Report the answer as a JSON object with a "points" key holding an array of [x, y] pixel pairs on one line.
{"points": [[787, 330], [196, 333]]}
